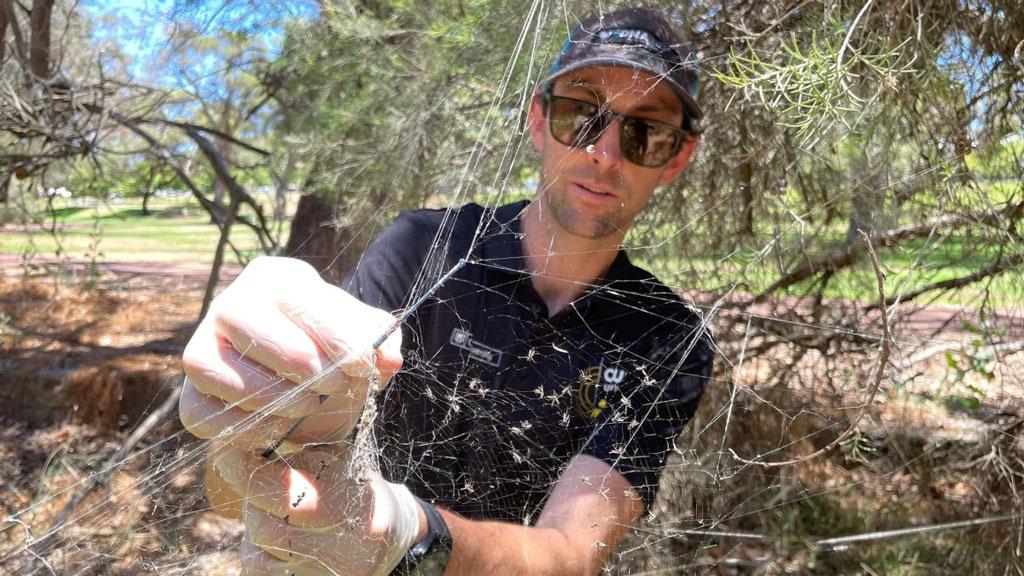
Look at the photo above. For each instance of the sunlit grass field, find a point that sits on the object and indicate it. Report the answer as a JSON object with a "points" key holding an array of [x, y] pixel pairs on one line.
{"points": [[176, 232], [180, 232], [908, 266]]}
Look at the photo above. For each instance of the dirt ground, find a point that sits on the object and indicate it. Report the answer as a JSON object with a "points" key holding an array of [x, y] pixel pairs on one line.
{"points": [[84, 358]]}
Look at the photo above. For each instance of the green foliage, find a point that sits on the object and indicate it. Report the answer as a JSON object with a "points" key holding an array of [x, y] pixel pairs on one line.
{"points": [[998, 162], [809, 84], [857, 448], [978, 359], [411, 104], [120, 177]]}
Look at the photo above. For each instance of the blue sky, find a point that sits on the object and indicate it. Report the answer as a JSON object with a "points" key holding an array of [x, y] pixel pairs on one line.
{"points": [[141, 28]]}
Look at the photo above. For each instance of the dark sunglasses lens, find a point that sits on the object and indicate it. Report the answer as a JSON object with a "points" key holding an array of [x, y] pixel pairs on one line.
{"points": [[573, 123], [578, 124], [648, 143]]}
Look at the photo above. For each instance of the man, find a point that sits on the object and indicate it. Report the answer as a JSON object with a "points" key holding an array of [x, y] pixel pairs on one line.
{"points": [[545, 380]]}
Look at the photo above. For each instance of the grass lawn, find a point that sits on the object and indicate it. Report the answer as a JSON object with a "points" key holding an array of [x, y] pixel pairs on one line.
{"points": [[176, 232], [910, 265]]}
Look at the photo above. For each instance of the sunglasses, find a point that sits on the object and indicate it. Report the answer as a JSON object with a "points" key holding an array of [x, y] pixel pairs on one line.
{"points": [[579, 124]]}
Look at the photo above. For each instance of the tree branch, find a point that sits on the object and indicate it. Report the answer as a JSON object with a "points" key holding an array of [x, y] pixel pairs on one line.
{"points": [[3, 32], [993, 269], [160, 152], [111, 465], [213, 131], [848, 254], [1005, 348], [233, 187], [883, 360], [20, 50]]}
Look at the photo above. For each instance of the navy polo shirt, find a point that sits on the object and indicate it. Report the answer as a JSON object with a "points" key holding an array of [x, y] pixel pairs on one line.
{"points": [[495, 397]]}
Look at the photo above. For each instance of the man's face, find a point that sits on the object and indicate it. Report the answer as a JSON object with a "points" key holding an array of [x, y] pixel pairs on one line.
{"points": [[599, 194]]}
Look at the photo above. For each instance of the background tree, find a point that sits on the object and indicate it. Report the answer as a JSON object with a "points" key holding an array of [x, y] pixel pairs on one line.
{"points": [[400, 105], [48, 123], [223, 75]]}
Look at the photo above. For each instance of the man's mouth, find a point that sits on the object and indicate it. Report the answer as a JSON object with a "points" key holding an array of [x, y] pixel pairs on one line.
{"points": [[593, 189]]}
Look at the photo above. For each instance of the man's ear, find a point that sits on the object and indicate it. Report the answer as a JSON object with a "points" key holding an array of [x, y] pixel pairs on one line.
{"points": [[678, 162], [537, 122]]}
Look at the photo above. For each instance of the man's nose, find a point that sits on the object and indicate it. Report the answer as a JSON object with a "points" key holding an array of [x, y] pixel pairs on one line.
{"points": [[607, 148]]}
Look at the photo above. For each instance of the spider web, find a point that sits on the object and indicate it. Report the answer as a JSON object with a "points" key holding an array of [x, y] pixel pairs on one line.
{"points": [[783, 387]]}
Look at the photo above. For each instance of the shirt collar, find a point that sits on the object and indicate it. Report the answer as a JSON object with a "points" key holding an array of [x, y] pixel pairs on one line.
{"points": [[501, 244]]}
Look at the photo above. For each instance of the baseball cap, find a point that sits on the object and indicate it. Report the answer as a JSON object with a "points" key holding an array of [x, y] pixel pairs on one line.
{"points": [[637, 38]]}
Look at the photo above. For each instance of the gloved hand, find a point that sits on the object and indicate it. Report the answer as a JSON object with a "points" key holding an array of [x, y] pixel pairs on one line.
{"points": [[306, 514], [279, 324]]}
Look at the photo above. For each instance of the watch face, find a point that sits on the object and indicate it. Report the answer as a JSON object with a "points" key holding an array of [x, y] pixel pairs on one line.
{"points": [[433, 564]]}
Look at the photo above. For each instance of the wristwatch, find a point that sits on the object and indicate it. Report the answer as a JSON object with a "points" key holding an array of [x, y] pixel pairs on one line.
{"points": [[429, 556]]}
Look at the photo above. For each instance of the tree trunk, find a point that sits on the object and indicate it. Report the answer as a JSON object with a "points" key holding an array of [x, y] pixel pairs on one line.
{"points": [[318, 238], [147, 192], [218, 256], [39, 48], [217, 215], [281, 187], [3, 34], [746, 178], [224, 148], [5, 185], [20, 49]]}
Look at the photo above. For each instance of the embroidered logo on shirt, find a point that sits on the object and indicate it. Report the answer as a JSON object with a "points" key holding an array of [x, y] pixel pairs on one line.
{"points": [[596, 384], [611, 378], [477, 350]]}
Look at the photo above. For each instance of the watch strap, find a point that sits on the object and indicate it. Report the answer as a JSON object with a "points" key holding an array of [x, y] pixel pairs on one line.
{"points": [[429, 556]]}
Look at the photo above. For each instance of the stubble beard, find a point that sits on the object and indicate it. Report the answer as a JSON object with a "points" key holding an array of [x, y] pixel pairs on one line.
{"points": [[579, 223]]}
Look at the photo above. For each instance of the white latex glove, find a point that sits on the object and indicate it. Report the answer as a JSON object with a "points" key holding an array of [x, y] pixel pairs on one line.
{"points": [[305, 514], [279, 324]]}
